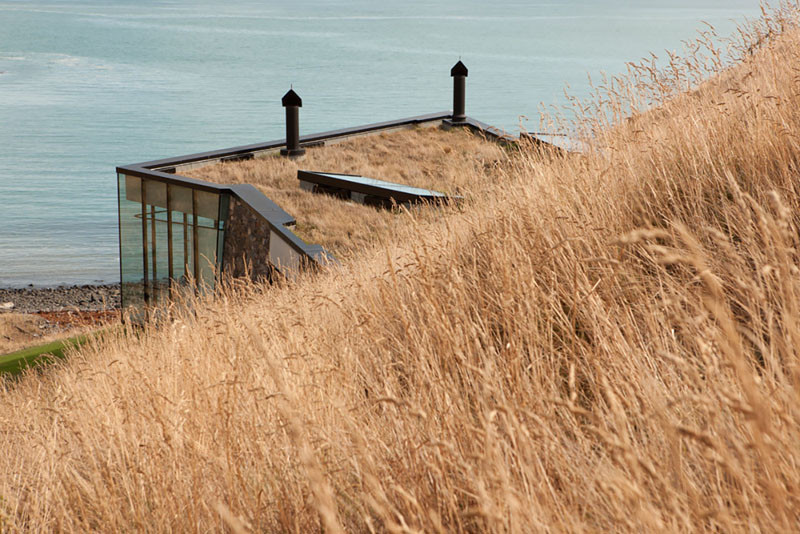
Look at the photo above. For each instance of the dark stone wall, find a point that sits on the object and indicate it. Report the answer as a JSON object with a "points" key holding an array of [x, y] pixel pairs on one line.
{"points": [[246, 249]]}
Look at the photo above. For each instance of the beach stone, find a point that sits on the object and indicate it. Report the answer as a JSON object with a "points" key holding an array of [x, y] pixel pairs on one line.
{"points": [[6, 305], [43, 299]]}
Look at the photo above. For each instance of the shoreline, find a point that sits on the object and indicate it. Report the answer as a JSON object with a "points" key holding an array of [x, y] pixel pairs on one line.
{"points": [[82, 298]]}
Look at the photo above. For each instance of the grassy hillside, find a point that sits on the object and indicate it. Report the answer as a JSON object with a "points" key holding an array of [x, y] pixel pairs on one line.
{"points": [[612, 346]]}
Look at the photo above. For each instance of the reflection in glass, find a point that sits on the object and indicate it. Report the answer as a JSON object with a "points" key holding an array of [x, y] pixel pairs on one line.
{"points": [[170, 237], [157, 236], [206, 227], [182, 248], [130, 239]]}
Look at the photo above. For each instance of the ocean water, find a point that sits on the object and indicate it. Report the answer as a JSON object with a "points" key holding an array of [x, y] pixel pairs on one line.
{"points": [[86, 86]]}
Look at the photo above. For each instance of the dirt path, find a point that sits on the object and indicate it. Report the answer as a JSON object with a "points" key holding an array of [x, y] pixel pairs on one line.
{"points": [[34, 316]]}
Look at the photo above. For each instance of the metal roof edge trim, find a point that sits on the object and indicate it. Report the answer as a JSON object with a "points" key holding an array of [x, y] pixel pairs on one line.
{"points": [[277, 143]]}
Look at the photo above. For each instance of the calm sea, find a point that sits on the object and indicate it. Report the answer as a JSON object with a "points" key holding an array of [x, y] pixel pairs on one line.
{"points": [[85, 86]]}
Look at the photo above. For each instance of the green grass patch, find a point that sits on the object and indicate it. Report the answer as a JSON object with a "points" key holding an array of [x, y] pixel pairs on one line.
{"points": [[16, 362]]}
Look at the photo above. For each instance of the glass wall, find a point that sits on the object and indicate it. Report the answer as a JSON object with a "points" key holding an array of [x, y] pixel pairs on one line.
{"points": [[171, 237]]}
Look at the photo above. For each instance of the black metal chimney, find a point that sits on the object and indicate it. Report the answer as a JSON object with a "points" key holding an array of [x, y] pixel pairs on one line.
{"points": [[459, 74], [292, 102]]}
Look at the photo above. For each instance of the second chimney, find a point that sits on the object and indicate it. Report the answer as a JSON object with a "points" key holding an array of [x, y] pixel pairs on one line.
{"points": [[459, 74], [292, 102]]}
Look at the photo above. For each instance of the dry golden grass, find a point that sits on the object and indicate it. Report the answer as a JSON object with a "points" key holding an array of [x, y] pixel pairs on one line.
{"points": [[612, 346], [453, 162]]}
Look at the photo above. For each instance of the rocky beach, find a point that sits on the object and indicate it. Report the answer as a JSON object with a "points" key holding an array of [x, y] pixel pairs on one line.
{"points": [[84, 298]]}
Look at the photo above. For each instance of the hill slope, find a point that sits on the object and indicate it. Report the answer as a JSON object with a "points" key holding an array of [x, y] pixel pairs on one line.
{"points": [[613, 345]]}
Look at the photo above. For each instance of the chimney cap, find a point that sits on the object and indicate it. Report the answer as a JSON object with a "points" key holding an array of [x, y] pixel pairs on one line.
{"points": [[292, 99], [459, 69]]}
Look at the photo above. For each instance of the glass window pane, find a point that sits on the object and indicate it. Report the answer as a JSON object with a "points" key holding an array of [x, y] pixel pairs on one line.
{"points": [[169, 235], [182, 247], [207, 204], [282, 255], [157, 232], [156, 193], [207, 214], [130, 240], [224, 206], [181, 199]]}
